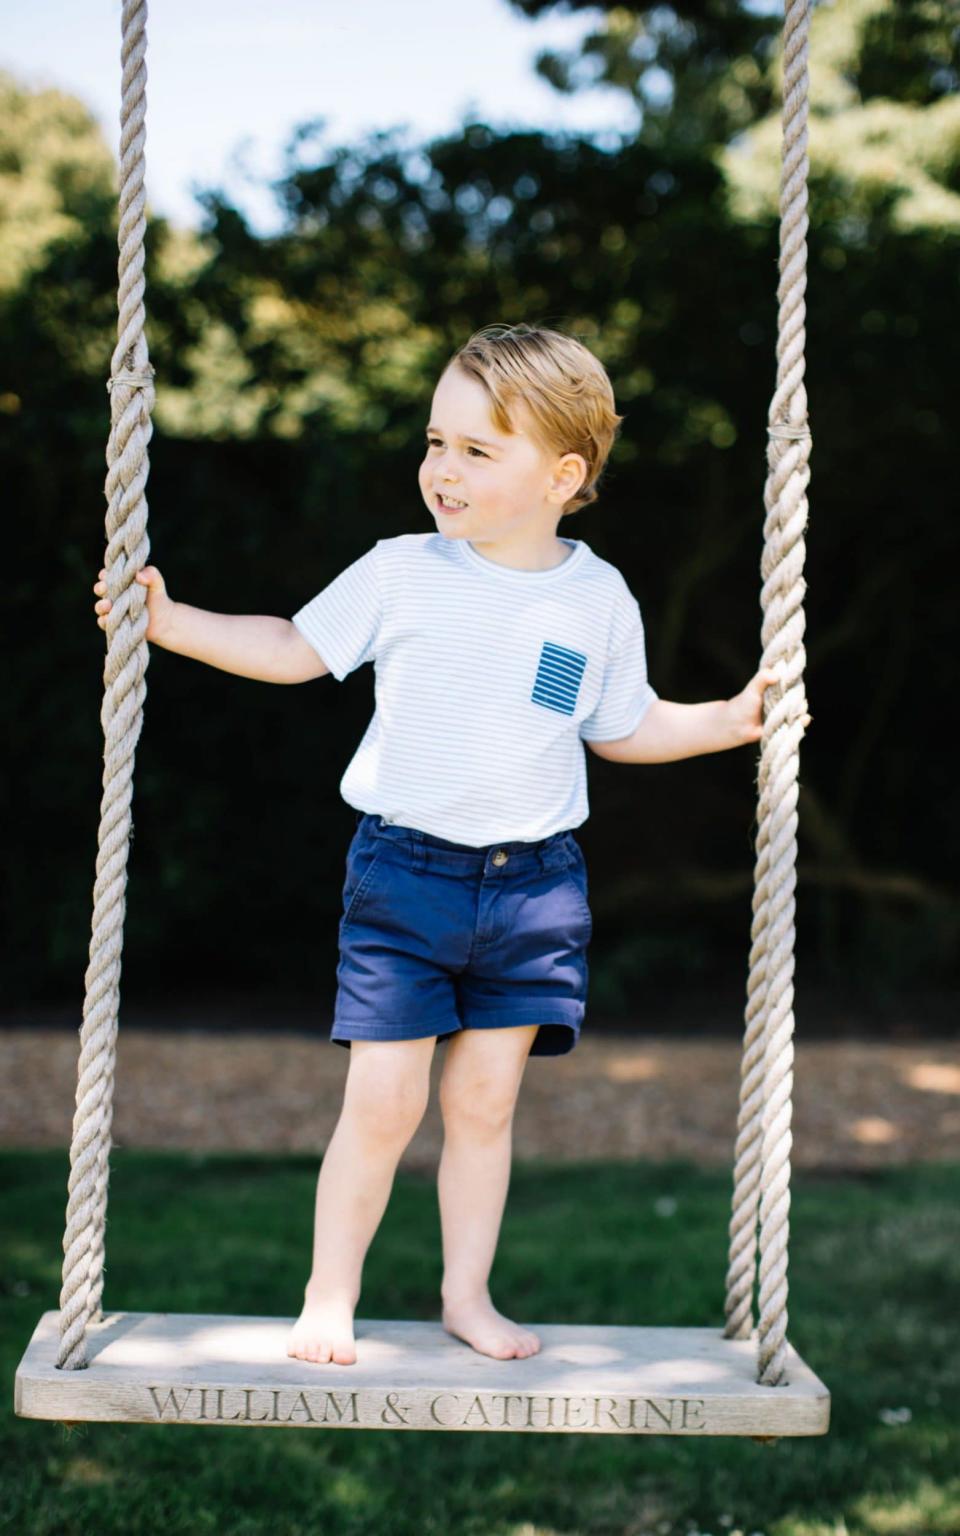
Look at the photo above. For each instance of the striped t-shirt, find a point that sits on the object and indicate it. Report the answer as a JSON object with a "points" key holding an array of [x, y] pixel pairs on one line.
{"points": [[487, 683]]}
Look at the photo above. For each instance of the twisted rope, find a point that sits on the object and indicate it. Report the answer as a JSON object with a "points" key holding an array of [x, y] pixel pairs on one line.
{"points": [[764, 1139], [131, 401]]}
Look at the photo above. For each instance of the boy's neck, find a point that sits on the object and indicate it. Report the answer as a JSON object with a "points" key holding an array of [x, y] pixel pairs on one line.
{"points": [[518, 558]]}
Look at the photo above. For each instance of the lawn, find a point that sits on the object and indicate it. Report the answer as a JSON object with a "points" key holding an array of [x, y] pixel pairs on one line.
{"points": [[874, 1309]]}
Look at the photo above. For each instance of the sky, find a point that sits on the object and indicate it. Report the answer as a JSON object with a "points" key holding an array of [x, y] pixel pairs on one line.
{"points": [[228, 79]]}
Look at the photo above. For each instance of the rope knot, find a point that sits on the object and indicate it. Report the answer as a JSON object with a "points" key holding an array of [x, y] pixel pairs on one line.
{"points": [[782, 429], [133, 380]]}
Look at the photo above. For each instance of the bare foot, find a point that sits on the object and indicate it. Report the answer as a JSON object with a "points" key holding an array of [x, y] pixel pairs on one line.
{"points": [[324, 1332], [477, 1321]]}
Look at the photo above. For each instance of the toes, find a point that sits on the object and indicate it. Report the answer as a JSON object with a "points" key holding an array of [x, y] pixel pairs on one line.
{"points": [[327, 1354], [322, 1351]]}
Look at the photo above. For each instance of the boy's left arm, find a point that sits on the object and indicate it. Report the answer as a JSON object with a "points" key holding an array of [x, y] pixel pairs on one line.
{"points": [[670, 731]]}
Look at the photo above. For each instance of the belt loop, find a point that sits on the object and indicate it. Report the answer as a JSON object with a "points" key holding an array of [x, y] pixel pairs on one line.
{"points": [[418, 851], [555, 852]]}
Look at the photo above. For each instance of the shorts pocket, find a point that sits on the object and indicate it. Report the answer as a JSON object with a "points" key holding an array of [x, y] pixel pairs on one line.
{"points": [[360, 876], [576, 879]]}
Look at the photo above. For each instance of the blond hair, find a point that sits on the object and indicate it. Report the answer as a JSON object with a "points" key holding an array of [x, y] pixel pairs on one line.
{"points": [[564, 388]]}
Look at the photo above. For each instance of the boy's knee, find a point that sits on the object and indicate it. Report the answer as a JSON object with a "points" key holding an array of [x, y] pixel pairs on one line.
{"points": [[387, 1103], [486, 1104]]}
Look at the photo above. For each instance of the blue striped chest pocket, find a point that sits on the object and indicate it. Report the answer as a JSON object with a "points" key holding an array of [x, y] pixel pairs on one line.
{"points": [[559, 675]]}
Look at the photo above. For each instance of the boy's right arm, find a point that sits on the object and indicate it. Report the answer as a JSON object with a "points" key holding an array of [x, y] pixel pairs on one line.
{"points": [[271, 650]]}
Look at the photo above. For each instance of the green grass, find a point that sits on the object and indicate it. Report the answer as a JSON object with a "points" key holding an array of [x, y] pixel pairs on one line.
{"points": [[874, 1288]]}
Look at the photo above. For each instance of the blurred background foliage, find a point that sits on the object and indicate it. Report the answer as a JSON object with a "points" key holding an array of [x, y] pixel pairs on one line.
{"points": [[294, 374]]}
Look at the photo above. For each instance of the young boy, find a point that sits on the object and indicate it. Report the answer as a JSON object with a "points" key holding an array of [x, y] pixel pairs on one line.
{"points": [[500, 648]]}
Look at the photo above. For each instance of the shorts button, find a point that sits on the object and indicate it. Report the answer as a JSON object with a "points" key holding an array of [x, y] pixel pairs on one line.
{"points": [[500, 857]]}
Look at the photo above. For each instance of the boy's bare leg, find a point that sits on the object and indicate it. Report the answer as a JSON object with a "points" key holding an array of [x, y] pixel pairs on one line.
{"points": [[386, 1093], [478, 1091]]}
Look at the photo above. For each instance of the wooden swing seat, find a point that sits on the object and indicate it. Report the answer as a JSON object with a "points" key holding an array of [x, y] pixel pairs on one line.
{"points": [[184, 1368]]}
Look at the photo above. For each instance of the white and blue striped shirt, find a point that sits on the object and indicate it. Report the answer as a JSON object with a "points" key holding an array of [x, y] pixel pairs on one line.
{"points": [[488, 681]]}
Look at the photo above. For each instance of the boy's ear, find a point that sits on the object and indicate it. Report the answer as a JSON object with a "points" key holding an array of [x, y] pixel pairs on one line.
{"points": [[570, 475]]}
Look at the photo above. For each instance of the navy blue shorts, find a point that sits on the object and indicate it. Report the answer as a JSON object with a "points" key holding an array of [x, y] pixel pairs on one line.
{"points": [[438, 936]]}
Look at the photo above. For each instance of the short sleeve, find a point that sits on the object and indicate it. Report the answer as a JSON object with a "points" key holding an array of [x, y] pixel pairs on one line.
{"points": [[626, 695], [343, 622]]}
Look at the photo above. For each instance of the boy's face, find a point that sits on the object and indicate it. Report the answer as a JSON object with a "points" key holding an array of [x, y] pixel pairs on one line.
{"points": [[514, 492]]}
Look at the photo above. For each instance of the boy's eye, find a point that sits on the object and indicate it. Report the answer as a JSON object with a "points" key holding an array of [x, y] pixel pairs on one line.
{"points": [[471, 449]]}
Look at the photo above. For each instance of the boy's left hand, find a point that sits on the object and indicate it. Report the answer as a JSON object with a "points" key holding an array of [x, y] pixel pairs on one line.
{"points": [[746, 708]]}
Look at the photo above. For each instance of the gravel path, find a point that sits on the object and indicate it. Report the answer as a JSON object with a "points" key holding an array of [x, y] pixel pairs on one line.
{"points": [[858, 1104]]}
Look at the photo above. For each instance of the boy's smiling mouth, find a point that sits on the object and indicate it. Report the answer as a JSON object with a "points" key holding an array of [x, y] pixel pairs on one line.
{"points": [[442, 506]]}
